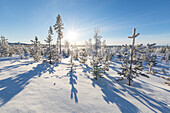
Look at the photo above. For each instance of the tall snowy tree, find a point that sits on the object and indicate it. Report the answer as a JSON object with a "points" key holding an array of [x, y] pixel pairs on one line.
{"points": [[134, 35], [59, 27], [49, 41], [132, 65], [36, 53]]}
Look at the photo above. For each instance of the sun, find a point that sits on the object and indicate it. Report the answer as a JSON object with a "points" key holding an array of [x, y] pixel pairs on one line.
{"points": [[72, 35]]}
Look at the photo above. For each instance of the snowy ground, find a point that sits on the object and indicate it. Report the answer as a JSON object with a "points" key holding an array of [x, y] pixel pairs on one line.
{"points": [[28, 87]]}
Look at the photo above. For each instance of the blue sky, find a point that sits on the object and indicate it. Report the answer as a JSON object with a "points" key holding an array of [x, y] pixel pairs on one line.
{"points": [[22, 20]]}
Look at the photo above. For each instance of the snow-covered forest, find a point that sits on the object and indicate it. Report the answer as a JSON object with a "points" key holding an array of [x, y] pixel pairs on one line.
{"points": [[47, 77]]}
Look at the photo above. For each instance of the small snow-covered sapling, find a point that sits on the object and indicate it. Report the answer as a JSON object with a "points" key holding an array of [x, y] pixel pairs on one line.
{"points": [[96, 68], [83, 56], [36, 53]]}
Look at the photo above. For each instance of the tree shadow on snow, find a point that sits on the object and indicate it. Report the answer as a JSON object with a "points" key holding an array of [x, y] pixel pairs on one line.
{"points": [[114, 67], [7, 68], [86, 68], [143, 98], [11, 86], [154, 85], [112, 95], [9, 59], [72, 82]]}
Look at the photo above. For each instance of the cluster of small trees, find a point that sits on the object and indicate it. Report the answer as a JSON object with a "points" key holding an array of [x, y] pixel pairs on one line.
{"points": [[7, 50], [100, 55], [53, 52]]}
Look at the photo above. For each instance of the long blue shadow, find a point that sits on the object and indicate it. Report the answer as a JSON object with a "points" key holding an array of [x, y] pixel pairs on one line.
{"points": [[7, 59], [72, 82], [146, 100], [15, 66], [112, 95], [12, 86]]}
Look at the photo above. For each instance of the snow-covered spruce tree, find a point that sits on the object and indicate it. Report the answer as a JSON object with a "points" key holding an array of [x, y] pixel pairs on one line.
{"points": [[105, 63], [55, 54], [83, 56], [4, 47], [96, 68], [97, 39], [105, 59], [36, 53], [99, 66], [58, 27], [49, 41], [132, 68], [151, 63], [125, 61]]}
